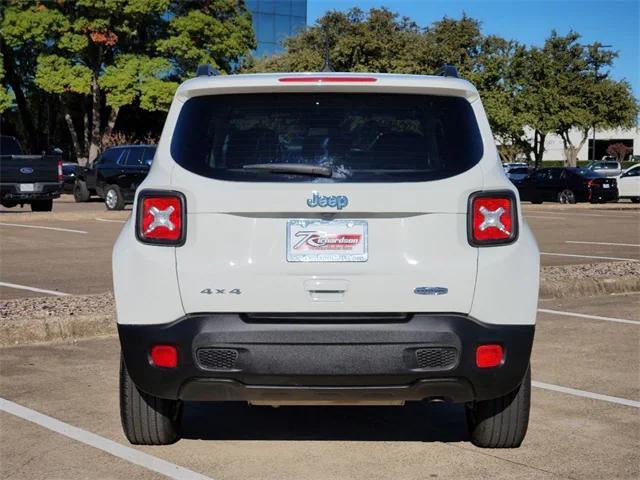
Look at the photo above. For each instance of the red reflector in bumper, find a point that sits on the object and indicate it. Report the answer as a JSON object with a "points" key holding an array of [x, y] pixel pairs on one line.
{"points": [[165, 356], [488, 356]]}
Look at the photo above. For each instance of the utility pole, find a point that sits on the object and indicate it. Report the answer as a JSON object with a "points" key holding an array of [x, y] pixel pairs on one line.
{"points": [[596, 64]]}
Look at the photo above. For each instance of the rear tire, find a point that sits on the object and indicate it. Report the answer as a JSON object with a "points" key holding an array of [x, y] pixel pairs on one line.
{"points": [[536, 202], [42, 205], [566, 197], [501, 422], [147, 420], [113, 198], [81, 192]]}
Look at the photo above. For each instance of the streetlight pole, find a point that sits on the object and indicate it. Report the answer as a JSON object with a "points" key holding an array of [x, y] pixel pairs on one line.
{"points": [[596, 46]]}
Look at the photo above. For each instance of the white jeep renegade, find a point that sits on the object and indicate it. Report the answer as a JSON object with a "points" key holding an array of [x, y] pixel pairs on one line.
{"points": [[326, 238]]}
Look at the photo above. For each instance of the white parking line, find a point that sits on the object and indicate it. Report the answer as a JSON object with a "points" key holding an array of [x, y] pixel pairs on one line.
{"points": [[585, 394], [591, 317], [43, 228], [588, 256], [129, 454], [573, 214], [109, 220], [33, 289], [604, 243]]}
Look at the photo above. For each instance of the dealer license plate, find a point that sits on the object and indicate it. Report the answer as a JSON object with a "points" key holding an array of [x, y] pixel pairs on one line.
{"points": [[27, 187], [327, 241]]}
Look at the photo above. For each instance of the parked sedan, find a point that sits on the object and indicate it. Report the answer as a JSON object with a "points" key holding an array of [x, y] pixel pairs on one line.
{"points": [[567, 185], [629, 184]]}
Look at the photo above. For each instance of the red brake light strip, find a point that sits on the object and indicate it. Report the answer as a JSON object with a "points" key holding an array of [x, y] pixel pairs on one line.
{"points": [[332, 79]]}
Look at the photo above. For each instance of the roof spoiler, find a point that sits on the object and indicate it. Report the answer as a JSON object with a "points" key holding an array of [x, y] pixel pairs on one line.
{"points": [[448, 70], [206, 70]]}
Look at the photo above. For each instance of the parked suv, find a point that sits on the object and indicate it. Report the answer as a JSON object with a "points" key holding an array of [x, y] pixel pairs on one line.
{"points": [[115, 175], [326, 238]]}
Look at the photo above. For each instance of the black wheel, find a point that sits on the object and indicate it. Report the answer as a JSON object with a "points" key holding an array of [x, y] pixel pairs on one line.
{"points": [[635, 199], [501, 422], [113, 198], [536, 202], [147, 420], [566, 196], [42, 205], [80, 191], [9, 204]]}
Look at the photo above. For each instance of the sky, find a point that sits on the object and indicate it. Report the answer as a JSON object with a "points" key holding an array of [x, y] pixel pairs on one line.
{"points": [[613, 22]]}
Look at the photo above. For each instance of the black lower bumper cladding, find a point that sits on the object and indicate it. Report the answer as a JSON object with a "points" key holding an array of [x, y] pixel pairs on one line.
{"points": [[271, 357]]}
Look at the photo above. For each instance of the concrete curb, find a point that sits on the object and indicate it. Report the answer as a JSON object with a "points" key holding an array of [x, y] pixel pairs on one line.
{"points": [[588, 287], [46, 330], [70, 328]]}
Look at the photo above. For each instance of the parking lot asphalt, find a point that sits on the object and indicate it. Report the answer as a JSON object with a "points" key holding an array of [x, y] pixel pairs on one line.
{"points": [[69, 250], [571, 435]]}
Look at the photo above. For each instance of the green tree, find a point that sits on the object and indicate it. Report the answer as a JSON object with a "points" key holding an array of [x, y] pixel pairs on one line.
{"points": [[557, 91], [584, 96], [97, 56], [528, 93], [382, 41], [497, 78], [218, 32], [378, 41], [5, 97]]}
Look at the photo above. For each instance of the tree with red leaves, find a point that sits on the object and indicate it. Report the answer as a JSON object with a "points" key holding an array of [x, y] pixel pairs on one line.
{"points": [[619, 150]]}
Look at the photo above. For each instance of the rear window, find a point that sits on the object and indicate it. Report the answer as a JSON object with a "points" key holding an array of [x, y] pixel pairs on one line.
{"points": [[134, 158], [149, 152], [111, 155], [361, 137], [9, 146]]}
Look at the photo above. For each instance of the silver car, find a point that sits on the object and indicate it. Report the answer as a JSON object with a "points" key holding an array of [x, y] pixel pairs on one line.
{"points": [[606, 168]]}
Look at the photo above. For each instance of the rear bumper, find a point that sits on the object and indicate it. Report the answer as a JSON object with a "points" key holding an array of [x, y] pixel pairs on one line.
{"points": [[299, 358], [603, 194], [41, 191]]}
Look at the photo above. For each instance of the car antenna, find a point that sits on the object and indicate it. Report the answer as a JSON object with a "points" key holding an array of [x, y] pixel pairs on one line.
{"points": [[327, 62]]}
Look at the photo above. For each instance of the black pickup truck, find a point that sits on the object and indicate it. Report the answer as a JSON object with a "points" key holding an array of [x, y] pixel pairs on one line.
{"points": [[28, 179], [115, 175]]}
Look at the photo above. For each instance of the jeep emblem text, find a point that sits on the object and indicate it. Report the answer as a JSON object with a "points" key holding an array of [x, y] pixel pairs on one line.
{"points": [[333, 201]]}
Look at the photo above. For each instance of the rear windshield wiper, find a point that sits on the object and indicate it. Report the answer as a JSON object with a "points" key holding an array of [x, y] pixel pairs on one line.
{"points": [[296, 168]]}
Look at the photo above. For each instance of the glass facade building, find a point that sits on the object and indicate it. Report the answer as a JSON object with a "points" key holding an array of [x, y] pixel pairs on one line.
{"points": [[274, 20]]}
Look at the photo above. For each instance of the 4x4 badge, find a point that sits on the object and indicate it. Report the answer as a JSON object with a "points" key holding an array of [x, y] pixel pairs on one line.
{"points": [[333, 201]]}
